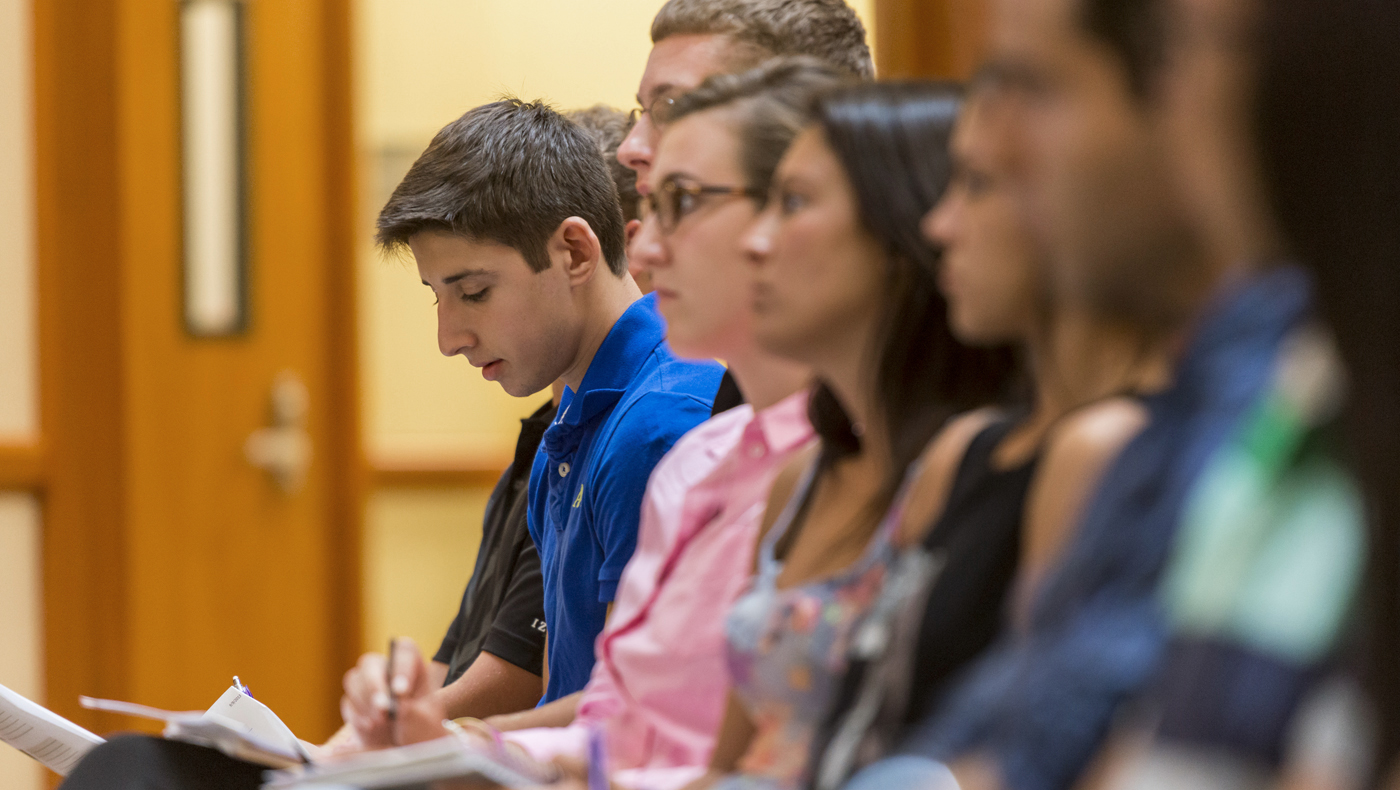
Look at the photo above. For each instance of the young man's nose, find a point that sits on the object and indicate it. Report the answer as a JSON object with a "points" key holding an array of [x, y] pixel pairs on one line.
{"points": [[454, 340], [636, 149]]}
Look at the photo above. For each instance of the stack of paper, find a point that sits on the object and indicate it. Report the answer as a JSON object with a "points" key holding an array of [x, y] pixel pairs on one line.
{"points": [[42, 734], [414, 766]]}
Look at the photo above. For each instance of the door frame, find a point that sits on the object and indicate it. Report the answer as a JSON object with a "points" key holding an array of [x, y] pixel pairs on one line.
{"points": [[929, 39]]}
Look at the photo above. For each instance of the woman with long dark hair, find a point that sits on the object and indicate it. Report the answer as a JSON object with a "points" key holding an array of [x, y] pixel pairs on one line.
{"points": [[846, 284], [1005, 486], [869, 169]]}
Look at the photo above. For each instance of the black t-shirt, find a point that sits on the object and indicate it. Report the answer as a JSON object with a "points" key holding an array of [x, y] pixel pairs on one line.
{"points": [[503, 607], [728, 395]]}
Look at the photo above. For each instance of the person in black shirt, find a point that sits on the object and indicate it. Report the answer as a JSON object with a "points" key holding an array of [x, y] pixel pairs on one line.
{"points": [[502, 611], [491, 660]]}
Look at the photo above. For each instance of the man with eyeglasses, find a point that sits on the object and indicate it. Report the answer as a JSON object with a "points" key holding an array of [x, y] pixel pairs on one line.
{"points": [[695, 39]]}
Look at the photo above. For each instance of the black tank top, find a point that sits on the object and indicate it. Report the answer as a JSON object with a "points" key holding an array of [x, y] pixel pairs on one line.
{"points": [[979, 536], [958, 610]]}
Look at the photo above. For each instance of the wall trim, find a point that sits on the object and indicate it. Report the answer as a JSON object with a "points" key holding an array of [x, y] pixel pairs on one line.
{"points": [[435, 477]]}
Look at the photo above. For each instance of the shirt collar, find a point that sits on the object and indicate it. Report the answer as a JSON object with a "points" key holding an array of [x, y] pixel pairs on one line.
{"points": [[532, 430], [1254, 312], [785, 425], [616, 363]]}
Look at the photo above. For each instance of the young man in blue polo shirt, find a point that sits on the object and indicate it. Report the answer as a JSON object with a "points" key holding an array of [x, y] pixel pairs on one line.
{"points": [[513, 220]]}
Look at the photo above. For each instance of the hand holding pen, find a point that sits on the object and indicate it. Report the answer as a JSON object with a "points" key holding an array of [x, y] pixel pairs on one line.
{"points": [[390, 682], [388, 698]]}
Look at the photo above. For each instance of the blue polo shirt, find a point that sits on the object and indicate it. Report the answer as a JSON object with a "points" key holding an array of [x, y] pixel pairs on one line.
{"points": [[591, 470]]}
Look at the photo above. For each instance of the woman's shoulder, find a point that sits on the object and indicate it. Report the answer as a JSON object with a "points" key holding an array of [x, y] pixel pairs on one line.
{"points": [[1075, 454], [938, 466], [1095, 433]]}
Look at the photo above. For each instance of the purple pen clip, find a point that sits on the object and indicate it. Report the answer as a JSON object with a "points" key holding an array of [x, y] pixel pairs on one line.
{"points": [[238, 684]]}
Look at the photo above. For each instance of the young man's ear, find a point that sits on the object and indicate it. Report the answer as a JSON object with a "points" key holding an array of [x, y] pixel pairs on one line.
{"points": [[575, 247], [634, 226]]}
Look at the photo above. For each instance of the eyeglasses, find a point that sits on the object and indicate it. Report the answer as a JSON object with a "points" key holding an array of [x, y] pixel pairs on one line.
{"points": [[675, 199], [659, 110]]}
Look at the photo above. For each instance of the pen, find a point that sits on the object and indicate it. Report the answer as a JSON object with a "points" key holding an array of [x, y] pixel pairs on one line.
{"points": [[597, 759], [393, 711]]}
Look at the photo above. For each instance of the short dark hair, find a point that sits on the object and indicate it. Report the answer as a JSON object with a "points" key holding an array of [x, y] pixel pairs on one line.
{"points": [[1135, 31], [772, 104], [508, 172], [608, 127], [825, 29]]}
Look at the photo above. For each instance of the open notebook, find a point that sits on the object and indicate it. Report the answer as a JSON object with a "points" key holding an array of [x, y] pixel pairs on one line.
{"points": [[236, 725], [244, 728]]}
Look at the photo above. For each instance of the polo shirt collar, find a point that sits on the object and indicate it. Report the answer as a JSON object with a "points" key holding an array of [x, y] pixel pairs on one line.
{"points": [[615, 366]]}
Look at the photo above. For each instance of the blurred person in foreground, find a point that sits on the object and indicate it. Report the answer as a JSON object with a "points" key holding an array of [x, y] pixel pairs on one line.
{"points": [[1258, 686], [1010, 482], [1328, 126], [1091, 166]]}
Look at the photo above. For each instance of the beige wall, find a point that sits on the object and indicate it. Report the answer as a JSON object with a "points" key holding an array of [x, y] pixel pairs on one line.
{"points": [[20, 652], [419, 549], [20, 657], [421, 64], [18, 407]]}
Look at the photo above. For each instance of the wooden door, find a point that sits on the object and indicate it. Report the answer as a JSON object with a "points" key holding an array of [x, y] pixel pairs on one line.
{"points": [[939, 39], [171, 563]]}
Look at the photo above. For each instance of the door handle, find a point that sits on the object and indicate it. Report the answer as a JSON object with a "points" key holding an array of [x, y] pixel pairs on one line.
{"points": [[283, 449]]}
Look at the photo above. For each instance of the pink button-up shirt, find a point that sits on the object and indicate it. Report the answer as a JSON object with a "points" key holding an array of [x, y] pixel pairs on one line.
{"points": [[659, 681]]}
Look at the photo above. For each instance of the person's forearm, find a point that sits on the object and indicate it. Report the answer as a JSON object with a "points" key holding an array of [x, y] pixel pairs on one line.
{"points": [[437, 673], [491, 686], [736, 731], [559, 713]]}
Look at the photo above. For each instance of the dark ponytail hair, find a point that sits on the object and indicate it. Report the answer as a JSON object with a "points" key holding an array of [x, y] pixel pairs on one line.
{"points": [[892, 142], [1328, 123]]}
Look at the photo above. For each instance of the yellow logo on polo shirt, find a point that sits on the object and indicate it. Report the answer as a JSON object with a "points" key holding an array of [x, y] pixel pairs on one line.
{"points": [[578, 500]]}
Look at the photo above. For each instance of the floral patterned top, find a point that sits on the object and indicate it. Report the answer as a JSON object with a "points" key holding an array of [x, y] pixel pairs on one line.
{"points": [[788, 647]]}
